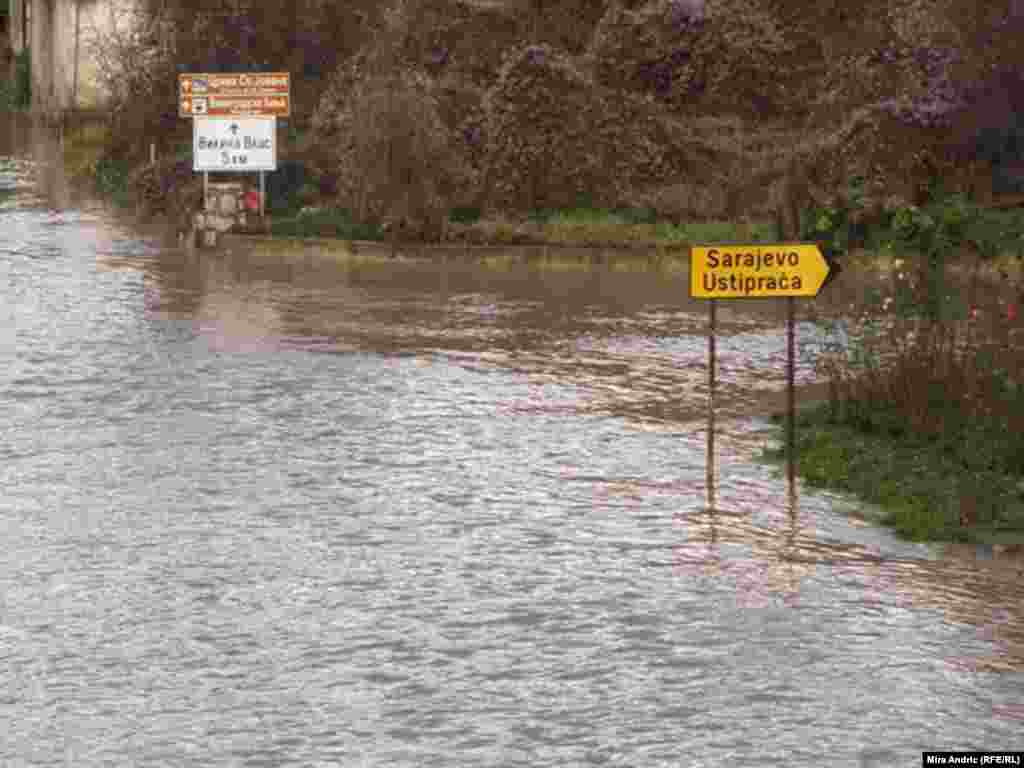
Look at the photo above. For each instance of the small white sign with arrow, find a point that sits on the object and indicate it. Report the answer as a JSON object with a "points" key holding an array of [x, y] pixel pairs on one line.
{"points": [[236, 144]]}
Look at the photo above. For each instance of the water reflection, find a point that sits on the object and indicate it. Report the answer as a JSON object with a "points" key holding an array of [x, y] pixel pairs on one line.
{"points": [[635, 353], [646, 366], [639, 353], [38, 147], [284, 511]]}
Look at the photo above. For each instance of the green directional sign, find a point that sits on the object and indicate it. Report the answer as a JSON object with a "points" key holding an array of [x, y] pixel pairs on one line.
{"points": [[757, 271]]}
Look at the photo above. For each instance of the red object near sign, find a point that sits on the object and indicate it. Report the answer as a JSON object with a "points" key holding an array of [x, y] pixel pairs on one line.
{"points": [[252, 200]]}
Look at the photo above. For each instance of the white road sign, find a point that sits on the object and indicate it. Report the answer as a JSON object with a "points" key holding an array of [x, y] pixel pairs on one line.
{"points": [[234, 144]]}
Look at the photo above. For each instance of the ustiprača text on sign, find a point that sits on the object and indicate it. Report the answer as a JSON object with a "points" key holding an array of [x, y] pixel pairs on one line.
{"points": [[748, 271]]}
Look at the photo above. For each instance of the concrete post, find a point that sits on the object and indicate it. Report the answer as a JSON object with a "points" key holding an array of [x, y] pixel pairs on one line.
{"points": [[64, 50], [52, 45], [9, 44], [41, 47]]}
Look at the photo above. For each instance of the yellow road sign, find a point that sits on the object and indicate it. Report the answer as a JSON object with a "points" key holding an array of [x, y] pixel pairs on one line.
{"points": [[757, 271]]}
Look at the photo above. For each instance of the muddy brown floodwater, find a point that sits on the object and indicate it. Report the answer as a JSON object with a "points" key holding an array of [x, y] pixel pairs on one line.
{"points": [[284, 512]]}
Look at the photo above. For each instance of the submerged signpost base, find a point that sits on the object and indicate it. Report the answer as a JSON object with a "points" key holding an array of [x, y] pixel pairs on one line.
{"points": [[711, 404], [791, 392], [234, 123], [785, 271]]}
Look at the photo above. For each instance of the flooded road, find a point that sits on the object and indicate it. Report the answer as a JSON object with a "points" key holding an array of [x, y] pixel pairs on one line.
{"points": [[288, 512]]}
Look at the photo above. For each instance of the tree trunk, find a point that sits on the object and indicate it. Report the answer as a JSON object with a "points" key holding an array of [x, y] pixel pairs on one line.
{"points": [[793, 199]]}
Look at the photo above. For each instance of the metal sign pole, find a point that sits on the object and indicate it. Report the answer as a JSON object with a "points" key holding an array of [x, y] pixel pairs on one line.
{"points": [[791, 392], [234, 102], [713, 275], [711, 404]]}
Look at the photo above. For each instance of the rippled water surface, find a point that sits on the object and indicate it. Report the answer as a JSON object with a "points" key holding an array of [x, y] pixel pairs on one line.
{"points": [[284, 512]]}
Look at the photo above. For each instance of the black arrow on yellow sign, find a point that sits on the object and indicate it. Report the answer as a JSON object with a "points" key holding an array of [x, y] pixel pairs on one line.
{"points": [[834, 267]]}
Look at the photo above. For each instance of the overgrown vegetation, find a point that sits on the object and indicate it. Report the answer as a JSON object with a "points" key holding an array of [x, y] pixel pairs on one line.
{"points": [[926, 402], [927, 490], [416, 107], [83, 149]]}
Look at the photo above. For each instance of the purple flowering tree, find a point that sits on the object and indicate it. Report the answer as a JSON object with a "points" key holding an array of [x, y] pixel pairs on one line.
{"points": [[438, 55], [684, 14], [535, 55]]}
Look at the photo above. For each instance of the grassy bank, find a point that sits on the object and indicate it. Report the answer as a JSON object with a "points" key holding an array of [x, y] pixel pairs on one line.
{"points": [[638, 226], [16, 94], [927, 489], [580, 226]]}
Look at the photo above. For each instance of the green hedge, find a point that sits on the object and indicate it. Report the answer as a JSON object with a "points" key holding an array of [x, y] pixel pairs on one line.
{"points": [[325, 222], [21, 93]]}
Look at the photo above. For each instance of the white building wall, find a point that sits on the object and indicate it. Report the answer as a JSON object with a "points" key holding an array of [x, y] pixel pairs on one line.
{"points": [[16, 28]]}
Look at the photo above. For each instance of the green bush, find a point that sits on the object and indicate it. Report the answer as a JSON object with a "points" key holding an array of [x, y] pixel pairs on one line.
{"points": [[585, 215], [466, 215], [22, 80], [936, 232], [637, 215], [762, 231], [295, 134], [326, 222], [541, 216], [112, 179], [840, 227], [584, 200], [708, 231], [666, 230], [994, 233], [17, 93], [945, 224]]}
